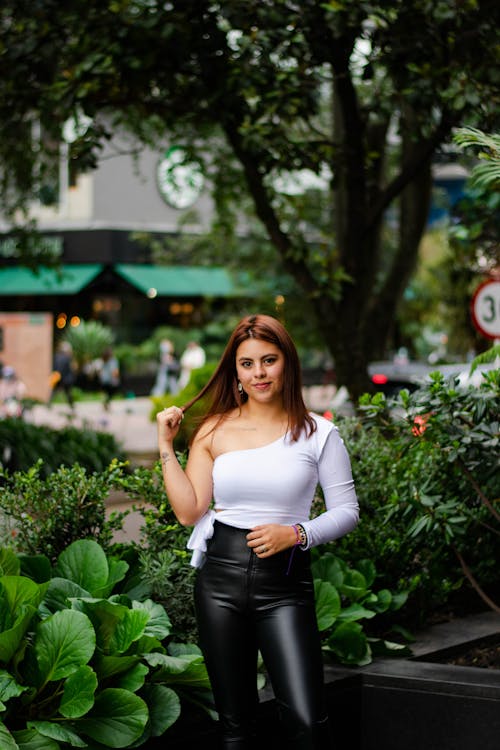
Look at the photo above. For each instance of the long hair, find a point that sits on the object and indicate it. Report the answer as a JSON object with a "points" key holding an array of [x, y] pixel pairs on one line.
{"points": [[223, 385]]}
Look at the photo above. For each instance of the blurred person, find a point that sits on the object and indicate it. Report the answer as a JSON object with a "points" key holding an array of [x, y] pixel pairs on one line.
{"points": [[192, 358], [168, 370], [254, 465], [63, 373], [109, 376], [12, 392]]}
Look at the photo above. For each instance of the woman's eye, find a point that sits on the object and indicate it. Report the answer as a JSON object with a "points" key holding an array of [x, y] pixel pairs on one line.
{"points": [[270, 360], [246, 364]]}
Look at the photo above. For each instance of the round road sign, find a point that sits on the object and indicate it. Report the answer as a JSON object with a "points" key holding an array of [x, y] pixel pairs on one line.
{"points": [[485, 309]]}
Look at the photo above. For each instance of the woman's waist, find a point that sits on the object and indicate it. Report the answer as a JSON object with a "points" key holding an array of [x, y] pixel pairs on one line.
{"points": [[229, 545]]}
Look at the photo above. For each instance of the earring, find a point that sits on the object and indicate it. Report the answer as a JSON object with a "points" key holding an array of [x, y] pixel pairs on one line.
{"points": [[240, 387]]}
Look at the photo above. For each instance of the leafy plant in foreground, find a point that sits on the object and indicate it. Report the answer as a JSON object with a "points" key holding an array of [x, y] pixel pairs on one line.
{"points": [[344, 596], [81, 666]]}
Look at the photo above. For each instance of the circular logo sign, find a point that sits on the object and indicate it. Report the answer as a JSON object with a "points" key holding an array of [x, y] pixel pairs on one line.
{"points": [[485, 309], [180, 181]]}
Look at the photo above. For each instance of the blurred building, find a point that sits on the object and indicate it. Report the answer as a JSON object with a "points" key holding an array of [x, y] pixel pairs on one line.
{"points": [[91, 222]]}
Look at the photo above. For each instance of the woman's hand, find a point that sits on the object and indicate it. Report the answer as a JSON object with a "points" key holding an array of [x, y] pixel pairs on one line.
{"points": [[168, 422], [271, 538]]}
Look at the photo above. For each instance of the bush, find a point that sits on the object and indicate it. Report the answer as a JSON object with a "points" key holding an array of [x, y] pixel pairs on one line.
{"points": [[23, 444], [45, 515], [426, 472], [80, 665]]}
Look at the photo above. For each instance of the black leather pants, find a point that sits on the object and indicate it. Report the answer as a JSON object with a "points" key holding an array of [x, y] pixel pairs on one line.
{"points": [[245, 604]]}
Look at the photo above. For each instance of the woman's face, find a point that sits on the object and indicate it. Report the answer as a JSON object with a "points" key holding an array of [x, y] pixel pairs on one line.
{"points": [[259, 367]]}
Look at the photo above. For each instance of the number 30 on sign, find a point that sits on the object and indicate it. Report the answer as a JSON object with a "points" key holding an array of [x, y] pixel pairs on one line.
{"points": [[485, 309]]}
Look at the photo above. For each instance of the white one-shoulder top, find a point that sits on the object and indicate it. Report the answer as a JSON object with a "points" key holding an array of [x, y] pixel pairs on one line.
{"points": [[277, 482]]}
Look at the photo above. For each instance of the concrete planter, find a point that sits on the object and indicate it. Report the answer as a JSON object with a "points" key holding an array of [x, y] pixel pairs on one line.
{"points": [[392, 704]]}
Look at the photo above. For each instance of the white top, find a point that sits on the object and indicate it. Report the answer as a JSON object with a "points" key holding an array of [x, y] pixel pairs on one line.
{"points": [[276, 483]]}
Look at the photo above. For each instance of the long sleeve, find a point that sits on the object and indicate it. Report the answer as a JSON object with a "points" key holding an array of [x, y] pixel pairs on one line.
{"points": [[335, 479]]}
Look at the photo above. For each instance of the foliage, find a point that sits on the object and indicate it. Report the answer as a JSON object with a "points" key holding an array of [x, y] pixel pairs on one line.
{"points": [[486, 175], [88, 340], [263, 94], [23, 444], [436, 485], [44, 515], [81, 665], [344, 597], [163, 561]]}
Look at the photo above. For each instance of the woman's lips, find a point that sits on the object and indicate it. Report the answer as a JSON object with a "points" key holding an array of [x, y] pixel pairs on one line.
{"points": [[262, 386]]}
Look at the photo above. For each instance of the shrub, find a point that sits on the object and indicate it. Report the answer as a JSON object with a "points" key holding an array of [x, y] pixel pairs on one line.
{"points": [[23, 444], [45, 515], [426, 471], [80, 665]]}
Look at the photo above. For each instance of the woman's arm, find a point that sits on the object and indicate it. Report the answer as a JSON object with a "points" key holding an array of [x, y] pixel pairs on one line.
{"points": [[189, 492], [335, 478]]}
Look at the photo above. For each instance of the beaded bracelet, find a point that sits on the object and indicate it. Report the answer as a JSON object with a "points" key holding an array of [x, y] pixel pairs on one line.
{"points": [[301, 535]]}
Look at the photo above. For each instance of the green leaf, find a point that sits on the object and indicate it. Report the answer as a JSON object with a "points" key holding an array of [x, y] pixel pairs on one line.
{"points": [[30, 739], [116, 626], [327, 603], [59, 594], [9, 563], [350, 644], [36, 567], [117, 719], [20, 591], [329, 568], [109, 666], [132, 680], [9, 688], [84, 562], [7, 741], [78, 693], [63, 643], [164, 707], [158, 624], [56, 732], [354, 585], [355, 612], [11, 638], [367, 569]]}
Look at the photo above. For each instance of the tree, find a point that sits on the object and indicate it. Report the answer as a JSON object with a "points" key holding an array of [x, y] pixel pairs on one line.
{"points": [[363, 92]]}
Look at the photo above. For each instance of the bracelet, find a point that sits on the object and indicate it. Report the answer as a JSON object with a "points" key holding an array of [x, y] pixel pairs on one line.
{"points": [[301, 535]]}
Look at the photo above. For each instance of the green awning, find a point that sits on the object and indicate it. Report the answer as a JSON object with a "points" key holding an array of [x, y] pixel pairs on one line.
{"points": [[68, 279], [177, 281]]}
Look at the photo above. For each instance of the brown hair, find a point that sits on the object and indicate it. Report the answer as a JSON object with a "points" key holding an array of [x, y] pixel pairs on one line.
{"points": [[223, 385]]}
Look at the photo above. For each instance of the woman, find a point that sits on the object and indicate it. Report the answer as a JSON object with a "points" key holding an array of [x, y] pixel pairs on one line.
{"points": [[259, 454]]}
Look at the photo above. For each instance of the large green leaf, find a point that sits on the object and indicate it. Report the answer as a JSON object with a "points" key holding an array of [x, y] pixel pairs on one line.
{"points": [[9, 688], [329, 568], [355, 612], [354, 585], [36, 567], [63, 642], [11, 638], [30, 739], [117, 572], [132, 680], [117, 719], [109, 666], [9, 562], [85, 563], [78, 693], [327, 603], [7, 741], [116, 626], [57, 732], [164, 707], [20, 591], [158, 625], [58, 595], [350, 644], [188, 670]]}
